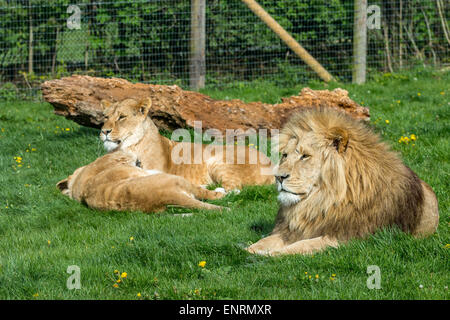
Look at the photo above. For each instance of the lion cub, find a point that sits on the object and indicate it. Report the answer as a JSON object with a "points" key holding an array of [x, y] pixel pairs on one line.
{"points": [[128, 127], [114, 182]]}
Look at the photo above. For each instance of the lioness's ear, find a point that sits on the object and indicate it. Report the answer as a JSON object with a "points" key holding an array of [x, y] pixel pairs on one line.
{"points": [[145, 106], [105, 104], [338, 138]]}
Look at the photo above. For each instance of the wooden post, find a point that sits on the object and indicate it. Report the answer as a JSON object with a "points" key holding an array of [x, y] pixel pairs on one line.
{"points": [[288, 40], [30, 38], [197, 65], [360, 42]]}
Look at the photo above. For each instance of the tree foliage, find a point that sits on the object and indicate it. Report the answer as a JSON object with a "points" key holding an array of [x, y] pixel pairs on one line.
{"points": [[149, 40]]}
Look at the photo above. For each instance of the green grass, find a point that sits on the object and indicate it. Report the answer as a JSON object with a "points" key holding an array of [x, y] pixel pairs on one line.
{"points": [[162, 259]]}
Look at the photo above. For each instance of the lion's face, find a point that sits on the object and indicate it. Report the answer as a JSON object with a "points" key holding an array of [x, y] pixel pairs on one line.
{"points": [[298, 171], [123, 124], [309, 162]]}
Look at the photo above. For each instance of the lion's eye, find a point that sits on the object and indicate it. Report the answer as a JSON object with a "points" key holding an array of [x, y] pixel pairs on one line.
{"points": [[304, 157], [283, 156], [122, 117]]}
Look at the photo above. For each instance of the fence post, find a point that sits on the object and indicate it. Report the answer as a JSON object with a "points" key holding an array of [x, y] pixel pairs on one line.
{"points": [[197, 65], [359, 42]]}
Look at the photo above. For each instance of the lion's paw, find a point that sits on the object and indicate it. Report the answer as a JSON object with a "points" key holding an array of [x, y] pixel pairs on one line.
{"points": [[254, 250]]}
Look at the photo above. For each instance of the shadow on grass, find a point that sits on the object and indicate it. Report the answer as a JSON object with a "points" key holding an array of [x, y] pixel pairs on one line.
{"points": [[262, 227]]}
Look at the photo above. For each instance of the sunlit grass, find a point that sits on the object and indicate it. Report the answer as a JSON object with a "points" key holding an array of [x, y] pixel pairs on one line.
{"points": [[167, 256]]}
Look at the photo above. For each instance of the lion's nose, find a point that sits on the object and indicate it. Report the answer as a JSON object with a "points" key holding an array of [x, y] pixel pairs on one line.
{"points": [[106, 131], [281, 177]]}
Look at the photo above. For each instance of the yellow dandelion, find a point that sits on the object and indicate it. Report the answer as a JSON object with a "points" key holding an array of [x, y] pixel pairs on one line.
{"points": [[196, 292], [413, 137], [387, 121], [116, 271], [139, 294], [115, 285], [418, 94], [119, 281], [123, 275], [447, 246], [36, 295], [333, 275], [67, 129], [404, 139], [33, 149], [202, 264], [131, 238], [442, 93], [317, 276], [48, 242]]}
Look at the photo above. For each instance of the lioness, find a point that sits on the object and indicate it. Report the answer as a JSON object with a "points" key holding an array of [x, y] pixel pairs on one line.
{"points": [[338, 181], [114, 182], [128, 127]]}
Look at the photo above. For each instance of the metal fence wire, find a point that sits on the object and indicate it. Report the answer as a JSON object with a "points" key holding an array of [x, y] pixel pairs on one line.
{"points": [[150, 41]]}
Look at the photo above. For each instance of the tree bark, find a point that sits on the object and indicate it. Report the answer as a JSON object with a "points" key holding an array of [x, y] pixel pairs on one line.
{"points": [[78, 98]]}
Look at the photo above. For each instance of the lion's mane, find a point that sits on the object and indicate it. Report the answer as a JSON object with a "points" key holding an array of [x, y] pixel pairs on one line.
{"points": [[362, 188]]}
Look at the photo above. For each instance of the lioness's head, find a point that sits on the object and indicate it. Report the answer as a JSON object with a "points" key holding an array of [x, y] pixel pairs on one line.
{"points": [[124, 122], [312, 149]]}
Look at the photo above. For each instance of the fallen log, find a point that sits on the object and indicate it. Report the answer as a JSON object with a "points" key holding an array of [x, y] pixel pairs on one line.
{"points": [[78, 98]]}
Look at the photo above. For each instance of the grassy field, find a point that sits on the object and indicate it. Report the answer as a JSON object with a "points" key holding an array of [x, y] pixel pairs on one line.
{"points": [[43, 232]]}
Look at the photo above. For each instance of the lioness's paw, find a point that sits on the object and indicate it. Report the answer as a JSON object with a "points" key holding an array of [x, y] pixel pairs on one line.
{"points": [[221, 190]]}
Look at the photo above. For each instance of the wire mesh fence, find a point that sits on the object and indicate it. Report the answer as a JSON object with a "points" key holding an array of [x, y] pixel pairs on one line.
{"points": [[150, 41]]}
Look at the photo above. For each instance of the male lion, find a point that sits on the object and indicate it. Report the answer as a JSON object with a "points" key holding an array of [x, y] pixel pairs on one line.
{"points": [[338, 181], [114, 182], [128, 127]]}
